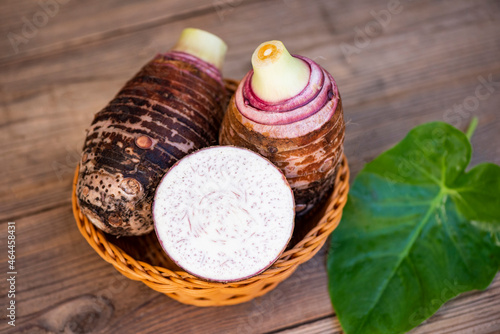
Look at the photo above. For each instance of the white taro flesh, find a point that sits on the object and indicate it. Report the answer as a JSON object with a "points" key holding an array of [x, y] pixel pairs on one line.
{"points": [[224, 213]]}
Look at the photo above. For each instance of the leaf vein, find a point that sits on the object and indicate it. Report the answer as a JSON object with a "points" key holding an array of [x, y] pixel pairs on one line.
{"points": [[454, 243], [414, 237]]}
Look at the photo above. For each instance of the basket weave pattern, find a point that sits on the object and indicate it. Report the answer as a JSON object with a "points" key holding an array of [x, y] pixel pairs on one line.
{"points": [[189, 289]]}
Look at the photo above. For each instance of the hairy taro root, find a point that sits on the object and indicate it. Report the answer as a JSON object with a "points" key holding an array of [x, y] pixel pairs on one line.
{"points": [[289, 110], [172, 107], [224, 213]]}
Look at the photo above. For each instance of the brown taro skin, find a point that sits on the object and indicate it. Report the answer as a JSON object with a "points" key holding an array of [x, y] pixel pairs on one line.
{"points": [[308, 159], [172, 107]]}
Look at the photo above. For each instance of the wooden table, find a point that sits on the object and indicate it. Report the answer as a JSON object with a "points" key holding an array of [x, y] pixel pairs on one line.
{"points": [[398, 64]]}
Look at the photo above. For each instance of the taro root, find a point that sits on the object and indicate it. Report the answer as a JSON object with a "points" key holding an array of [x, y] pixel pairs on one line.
{"points": [[172, 107], [224, 213], [289, 110]]}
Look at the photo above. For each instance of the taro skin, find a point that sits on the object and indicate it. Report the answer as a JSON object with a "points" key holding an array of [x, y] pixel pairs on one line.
{"points": [[172, 107], [301, 133]]}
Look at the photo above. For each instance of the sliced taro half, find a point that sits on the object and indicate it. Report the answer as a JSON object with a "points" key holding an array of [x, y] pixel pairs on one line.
{"points": [[224, 213]]}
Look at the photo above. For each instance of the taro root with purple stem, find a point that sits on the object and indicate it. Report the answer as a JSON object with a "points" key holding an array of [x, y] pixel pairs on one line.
{"points": [[172, 107], [289, 110]]}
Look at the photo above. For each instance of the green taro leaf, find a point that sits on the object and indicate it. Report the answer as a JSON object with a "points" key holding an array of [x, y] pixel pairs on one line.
{"points": [[417, 230]]}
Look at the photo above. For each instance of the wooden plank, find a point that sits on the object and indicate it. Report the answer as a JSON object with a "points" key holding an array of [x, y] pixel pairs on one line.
{"points": [[62, 283], [72, 101], [33, 27], [39, 167], [472, 312], [427, 61], [43, 126], [38, 164], [329, 325]]}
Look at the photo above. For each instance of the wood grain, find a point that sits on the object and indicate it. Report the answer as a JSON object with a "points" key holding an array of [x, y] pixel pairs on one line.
{"points": [[61, 271], [41, 116], [464, 314], [71, 23], [424, 65]]}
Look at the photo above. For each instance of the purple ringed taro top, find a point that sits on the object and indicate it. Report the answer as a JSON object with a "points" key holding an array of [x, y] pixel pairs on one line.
{"points": [[202, 65], [295, 116]]}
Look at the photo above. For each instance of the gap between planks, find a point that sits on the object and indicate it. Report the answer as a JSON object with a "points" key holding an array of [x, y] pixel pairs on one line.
{"points": [[79, 42]]}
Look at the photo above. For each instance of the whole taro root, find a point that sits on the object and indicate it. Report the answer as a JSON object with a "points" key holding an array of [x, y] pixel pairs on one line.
{"points": [[172, 107], [289, 110]]}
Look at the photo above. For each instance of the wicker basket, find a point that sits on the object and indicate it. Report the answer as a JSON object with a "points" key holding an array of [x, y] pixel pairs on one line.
{"points": [[142, 259]]}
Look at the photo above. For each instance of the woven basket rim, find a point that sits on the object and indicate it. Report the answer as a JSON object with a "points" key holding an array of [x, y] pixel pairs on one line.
{"points": [[299, 253]]}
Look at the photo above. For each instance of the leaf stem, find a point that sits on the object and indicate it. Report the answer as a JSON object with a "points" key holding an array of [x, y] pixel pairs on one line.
{"points": [[472, 127]]}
